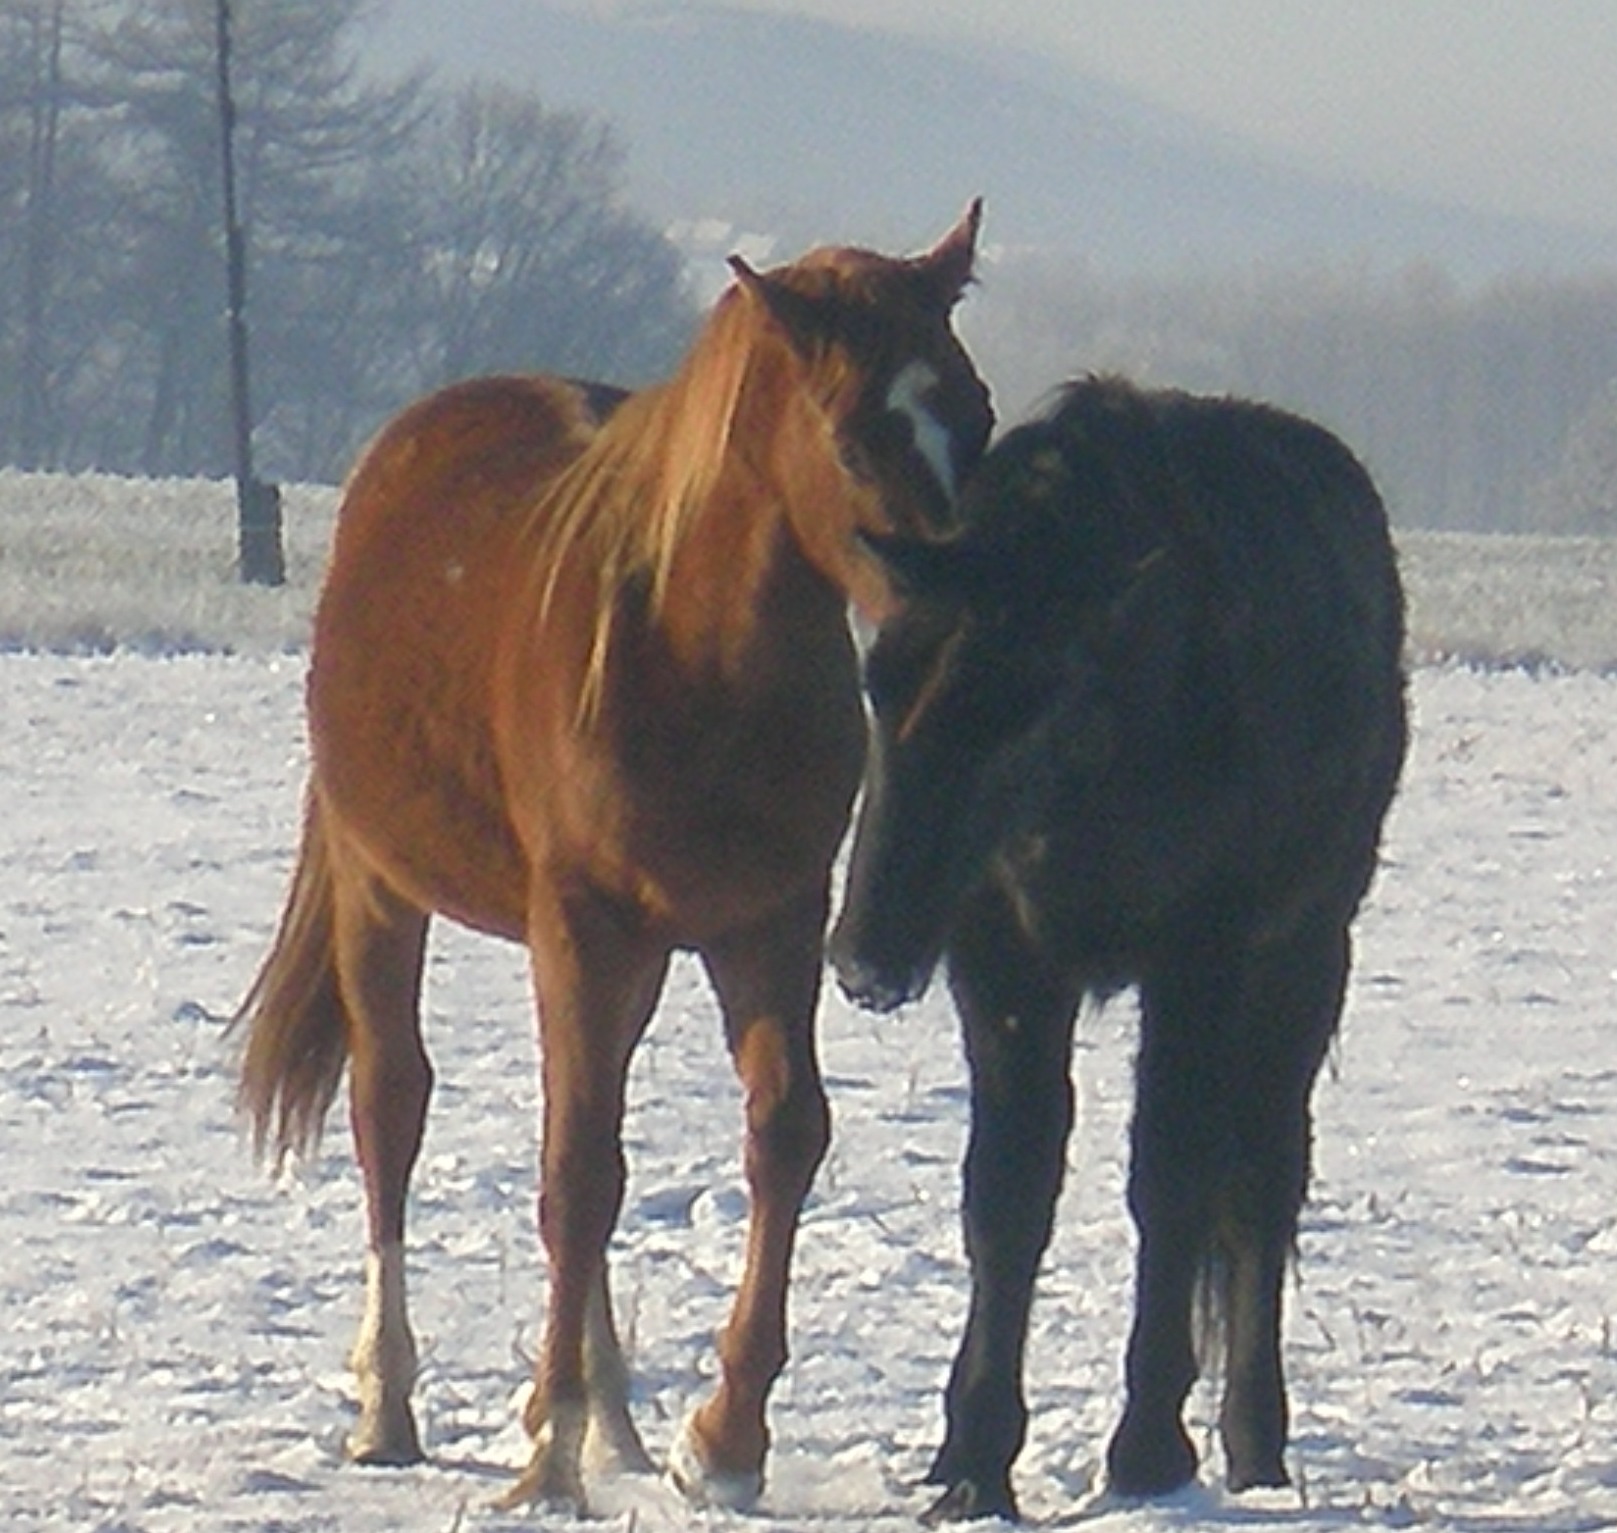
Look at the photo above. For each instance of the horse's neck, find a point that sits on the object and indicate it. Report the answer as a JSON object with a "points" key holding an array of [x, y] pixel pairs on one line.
{"points": [[770, 557], [824, 506]]}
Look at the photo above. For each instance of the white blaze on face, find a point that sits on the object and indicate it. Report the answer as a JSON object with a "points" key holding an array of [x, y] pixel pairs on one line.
{"points": [[907, 397]]}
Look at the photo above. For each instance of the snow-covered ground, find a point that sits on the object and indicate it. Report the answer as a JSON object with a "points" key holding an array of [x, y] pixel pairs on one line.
{"points": [[173, 1325]]}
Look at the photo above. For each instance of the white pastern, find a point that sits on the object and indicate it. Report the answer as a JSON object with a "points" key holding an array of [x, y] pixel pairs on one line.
{"points": [[385, 1345], [907, 397], [384, 1364]]}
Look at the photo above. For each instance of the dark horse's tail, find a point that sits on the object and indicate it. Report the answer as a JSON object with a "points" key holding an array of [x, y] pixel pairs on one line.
{"points": [[297, 1029]]}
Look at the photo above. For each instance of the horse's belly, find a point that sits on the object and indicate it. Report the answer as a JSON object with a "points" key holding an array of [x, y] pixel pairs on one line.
{"points": [[431, 835], [404, 758], [700, 831]]}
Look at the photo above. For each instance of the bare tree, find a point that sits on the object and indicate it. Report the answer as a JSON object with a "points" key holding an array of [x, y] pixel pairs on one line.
{"points": [[48, 183], [39, 224], [303, 119], [397, 236], [526, 255]]}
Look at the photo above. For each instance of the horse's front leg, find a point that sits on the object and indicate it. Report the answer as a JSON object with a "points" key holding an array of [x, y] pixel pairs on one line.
{"points": [[597, 979], [768, 981], [1017, 1020]]}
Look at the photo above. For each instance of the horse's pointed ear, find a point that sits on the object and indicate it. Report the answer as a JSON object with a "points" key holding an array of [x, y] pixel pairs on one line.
{"points": [[948, 264], [796, 314]]}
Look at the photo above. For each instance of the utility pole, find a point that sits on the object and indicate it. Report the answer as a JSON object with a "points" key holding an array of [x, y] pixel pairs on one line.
{"points": [[44, 131], [260, 560]]}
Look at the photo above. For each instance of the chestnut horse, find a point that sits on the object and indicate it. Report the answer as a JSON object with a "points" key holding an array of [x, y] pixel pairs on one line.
{"points": [[582, 677]]}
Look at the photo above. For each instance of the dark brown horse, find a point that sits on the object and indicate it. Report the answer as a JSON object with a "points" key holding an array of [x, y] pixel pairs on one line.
{"points": [[582, 678], [1138, 724]]}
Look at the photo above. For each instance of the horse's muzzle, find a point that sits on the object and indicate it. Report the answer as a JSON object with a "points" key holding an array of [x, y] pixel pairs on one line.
{"points": [[873, 987]]}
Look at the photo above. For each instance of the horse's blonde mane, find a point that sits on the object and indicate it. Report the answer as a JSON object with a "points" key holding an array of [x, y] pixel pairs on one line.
{"points": [[624, 505]]}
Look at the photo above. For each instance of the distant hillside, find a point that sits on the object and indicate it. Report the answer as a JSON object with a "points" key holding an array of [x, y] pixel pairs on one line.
{"points": [[811, 131]]}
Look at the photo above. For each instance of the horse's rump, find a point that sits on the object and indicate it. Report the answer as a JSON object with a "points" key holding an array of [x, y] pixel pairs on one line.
{"points": [[1227, 566]]}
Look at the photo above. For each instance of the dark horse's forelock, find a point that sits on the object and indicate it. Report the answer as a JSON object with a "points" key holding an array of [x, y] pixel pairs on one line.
{"points": [[1156, 688]]}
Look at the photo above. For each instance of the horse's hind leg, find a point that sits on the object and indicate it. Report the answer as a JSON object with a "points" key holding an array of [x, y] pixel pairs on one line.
{"points": [[1176, 1140], [1291, 999], [1017, 1019], [768, 983], [612, 1442], [380, 945]]}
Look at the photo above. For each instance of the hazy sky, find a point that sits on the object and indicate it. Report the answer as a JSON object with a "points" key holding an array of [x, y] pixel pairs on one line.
{"points": [[1509, 105]]}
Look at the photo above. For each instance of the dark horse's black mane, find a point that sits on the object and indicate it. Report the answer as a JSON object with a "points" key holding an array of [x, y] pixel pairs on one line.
{"points": [[1108, 475]]}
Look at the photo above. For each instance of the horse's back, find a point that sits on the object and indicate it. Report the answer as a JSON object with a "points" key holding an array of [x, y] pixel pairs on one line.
{"points": [[1282, 731], [1281, 525], [427, 551], [470, 454], [1298, 520], [1278, 510]]}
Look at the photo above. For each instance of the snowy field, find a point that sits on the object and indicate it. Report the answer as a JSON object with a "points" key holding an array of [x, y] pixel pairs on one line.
{"points": [[173, 1325]]}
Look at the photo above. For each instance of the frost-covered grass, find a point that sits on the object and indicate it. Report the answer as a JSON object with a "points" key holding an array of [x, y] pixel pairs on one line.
{"points": [[1508, 599], [92, 562]]}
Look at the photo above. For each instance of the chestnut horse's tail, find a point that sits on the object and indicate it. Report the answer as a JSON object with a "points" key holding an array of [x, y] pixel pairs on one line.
{"points": [[297, 1029]]}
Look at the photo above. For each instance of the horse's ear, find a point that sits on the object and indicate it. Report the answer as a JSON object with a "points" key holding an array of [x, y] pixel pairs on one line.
{"points": [[796, 314], [948, 264]]}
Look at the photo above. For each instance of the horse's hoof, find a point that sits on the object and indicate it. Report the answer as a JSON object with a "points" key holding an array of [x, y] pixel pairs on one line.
{"points": [[1140, 1465], [384, 1456], [389, 1444], [966, 1500], [735, 1490], [554, 1477], [1260, 1474], [611, 1454], [1254, 1436]]}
